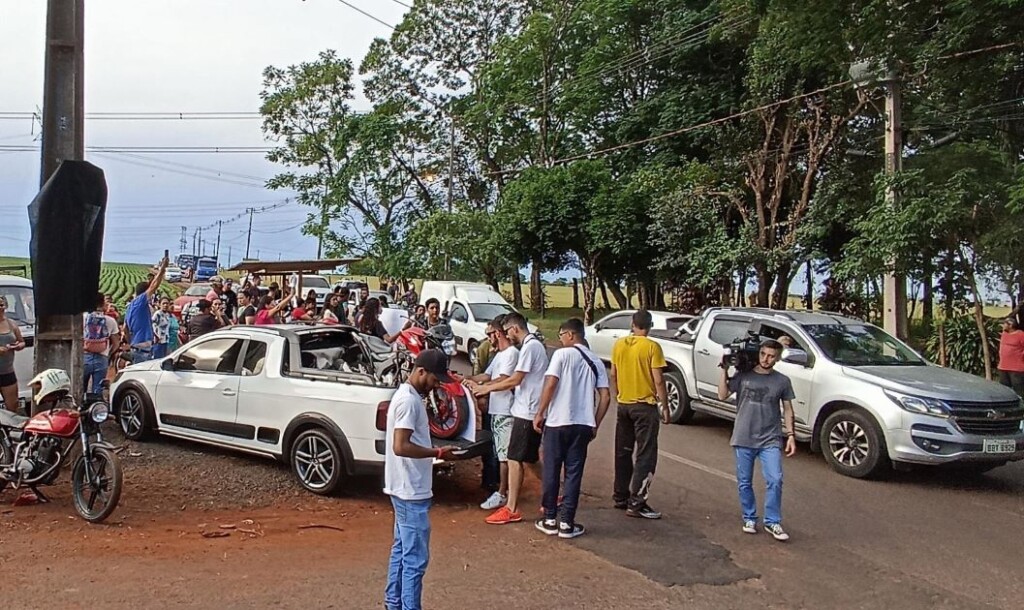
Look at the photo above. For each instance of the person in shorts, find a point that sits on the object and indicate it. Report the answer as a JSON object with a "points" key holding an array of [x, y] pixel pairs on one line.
{"points": [[499, 405], [524, 442]]}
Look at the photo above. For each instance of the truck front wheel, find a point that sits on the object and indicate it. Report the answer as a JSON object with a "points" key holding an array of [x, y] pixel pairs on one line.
{"points": [[853, 444]]}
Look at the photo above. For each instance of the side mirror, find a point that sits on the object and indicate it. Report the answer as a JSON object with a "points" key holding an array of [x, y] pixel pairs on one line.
{"points": [[795, 356], [597, 328], [167, 364]]}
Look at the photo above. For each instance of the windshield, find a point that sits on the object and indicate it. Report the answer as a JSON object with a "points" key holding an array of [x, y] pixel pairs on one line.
{"points": [[485, 312], [21, 304], [198, 290], [315, 281], [861, 345], [207, 263]]}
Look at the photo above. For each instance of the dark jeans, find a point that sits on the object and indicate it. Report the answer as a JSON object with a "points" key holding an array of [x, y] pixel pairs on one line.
{"points": [[491, 477], [636, 433], [564, 446], [1013, 379]]}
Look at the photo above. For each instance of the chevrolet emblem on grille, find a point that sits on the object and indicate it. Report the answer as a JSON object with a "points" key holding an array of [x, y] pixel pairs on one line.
{"points": [[993, 414]]}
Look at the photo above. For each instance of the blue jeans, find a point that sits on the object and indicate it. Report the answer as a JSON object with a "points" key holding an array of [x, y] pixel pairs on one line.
{"points": [[95, 370], [564, 446], [410, 553], [141, 354], [159, 351], [771, 468]]}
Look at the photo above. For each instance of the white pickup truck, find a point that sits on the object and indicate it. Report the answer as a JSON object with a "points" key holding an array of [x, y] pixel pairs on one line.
{"points": [[864, 399]]}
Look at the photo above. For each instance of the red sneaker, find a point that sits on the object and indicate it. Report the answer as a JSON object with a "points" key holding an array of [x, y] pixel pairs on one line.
{"points": [[502, 516]]}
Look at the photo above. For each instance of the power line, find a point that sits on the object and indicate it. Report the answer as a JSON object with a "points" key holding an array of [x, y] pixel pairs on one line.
{"points": [[359, 10], [251, 184], [154, 149], [399, 2]]}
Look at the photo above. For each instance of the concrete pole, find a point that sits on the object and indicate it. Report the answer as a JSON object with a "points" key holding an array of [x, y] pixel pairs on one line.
{"points": [[894, 289], [58, 339]]}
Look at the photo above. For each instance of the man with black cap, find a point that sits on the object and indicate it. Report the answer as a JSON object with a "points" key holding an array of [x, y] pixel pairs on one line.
{"points": [[205, 321], [408, 479]]}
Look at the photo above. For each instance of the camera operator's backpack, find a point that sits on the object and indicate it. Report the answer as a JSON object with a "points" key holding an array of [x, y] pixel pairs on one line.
{"points": [[97, 337]]}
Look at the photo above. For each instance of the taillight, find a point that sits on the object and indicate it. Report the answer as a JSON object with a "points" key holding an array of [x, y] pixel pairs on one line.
{"points": [[382, 415]]}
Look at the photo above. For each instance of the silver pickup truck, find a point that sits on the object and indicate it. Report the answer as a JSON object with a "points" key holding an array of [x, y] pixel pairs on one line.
{"points": [[864, 399]]}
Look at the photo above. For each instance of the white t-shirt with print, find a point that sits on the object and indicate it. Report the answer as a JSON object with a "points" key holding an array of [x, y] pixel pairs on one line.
{"points": [[407, 478], [533, 360], [574, 402], [503, 363]]}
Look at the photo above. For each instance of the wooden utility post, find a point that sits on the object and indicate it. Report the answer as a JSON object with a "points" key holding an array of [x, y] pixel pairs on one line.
{"points": [[58, 340], [894, 290]]}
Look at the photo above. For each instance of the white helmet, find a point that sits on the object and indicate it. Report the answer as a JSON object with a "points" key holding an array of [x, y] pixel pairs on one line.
{"points": [[48, 382]]}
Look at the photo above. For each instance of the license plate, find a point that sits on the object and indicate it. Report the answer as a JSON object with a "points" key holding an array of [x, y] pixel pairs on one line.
{"points": [[999, 446]]}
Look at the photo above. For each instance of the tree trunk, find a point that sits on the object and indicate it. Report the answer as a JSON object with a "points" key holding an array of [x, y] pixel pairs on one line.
{"points": [[979, 320], [809, 298], [946, 286], [536, 294], [764, 284], [604, 296], [780, 296], [659, 296], [517, 289], [575, 293], [927, 295], [590, 282], [620, 298]]}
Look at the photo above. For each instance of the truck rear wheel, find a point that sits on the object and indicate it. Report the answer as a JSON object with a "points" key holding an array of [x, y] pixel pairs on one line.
{"points": [[679, 410], [853, 444]]}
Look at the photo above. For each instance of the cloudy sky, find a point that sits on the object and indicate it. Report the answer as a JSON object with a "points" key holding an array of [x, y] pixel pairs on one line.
{"points": [[176, 56]]}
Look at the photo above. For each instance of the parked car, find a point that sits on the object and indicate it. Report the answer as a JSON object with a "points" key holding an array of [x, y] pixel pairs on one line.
{"points": [[21, 309], [313, 397], [469, 307], [191, 295], [173, 273], [602, 334], [318, 284], [864, 399]]}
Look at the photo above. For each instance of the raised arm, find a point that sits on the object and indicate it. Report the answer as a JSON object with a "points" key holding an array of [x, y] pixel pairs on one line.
{"points": [[158, 279]]}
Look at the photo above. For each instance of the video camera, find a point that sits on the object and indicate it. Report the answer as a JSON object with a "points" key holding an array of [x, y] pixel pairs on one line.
{"points": [[742, 354]]}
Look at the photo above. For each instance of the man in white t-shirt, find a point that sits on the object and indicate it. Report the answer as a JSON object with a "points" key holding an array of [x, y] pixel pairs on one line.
{"points": [[499, 405], [408, 479], [569, 416], [524, 442]]}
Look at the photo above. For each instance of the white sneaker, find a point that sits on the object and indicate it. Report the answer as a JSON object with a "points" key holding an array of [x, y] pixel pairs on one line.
{"points": [[495, 501], [776, 530], [750, 527]]}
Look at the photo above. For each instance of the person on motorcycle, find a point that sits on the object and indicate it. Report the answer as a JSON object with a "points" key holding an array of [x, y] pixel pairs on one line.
{"points": [[433, 317]]}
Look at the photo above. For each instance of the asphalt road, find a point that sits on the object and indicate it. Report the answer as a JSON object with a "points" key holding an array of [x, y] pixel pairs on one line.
{"points": [[929, 538]]}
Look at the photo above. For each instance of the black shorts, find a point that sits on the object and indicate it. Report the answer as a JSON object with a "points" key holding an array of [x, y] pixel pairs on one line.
{"points": [[524, 442], [7, 379]]}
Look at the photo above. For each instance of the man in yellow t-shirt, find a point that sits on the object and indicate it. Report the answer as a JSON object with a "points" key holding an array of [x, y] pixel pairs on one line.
{"points": [[637, 364]]}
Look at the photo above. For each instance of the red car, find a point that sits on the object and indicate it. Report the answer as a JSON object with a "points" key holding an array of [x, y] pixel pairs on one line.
{"points": [[193, 294]]}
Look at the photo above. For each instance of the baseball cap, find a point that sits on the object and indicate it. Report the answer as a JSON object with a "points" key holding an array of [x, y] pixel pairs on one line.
{"points": [[434, 361]]}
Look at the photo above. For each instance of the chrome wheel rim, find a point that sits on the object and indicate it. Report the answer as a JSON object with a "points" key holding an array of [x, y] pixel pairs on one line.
{"points": [[849, 444], [314, 462], [674, 402], [471, 351], [131, 415]]}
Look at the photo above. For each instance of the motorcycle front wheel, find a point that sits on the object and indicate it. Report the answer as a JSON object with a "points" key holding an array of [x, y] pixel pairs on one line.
{"points": [[448, 414], [96, 498]]}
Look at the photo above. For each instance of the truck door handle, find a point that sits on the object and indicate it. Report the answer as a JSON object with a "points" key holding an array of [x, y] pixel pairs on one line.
{"points": [[704, 352], [229, 392]]}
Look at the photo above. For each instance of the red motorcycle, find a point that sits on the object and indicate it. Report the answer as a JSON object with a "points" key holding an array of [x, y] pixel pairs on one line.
{"points": [[448, 405], [32, 449]]}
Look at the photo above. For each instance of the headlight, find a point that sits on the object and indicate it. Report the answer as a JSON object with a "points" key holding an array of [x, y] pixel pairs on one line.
{"points": [[99, 412], [919, 404]]}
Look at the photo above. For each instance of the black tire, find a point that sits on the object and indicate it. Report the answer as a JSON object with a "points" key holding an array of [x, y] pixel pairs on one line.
{"points": [[5, 459], [106, 467], [317, 461], [679, 409], [471, 352], [135, 415], [853, 444]]}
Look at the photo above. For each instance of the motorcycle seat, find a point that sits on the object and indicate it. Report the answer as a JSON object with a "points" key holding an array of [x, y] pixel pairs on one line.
{"points": [[12, 420]]}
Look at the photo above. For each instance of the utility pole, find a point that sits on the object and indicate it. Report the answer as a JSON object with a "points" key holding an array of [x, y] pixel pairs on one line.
{"points": [[194, 251], [183, 242], [58, 339], [216, 251], [894, 290], [202, 250], [229, 257], [248, 238]]}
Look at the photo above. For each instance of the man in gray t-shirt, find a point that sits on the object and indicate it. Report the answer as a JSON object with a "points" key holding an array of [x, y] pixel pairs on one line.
{"points": [[763, 397]]}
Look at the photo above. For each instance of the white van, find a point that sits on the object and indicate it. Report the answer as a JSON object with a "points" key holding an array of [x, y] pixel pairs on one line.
{"points": [[21, 308], [470, 306]]}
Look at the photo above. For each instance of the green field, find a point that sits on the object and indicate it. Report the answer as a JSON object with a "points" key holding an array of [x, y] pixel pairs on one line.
{"points": [[116, 279]]}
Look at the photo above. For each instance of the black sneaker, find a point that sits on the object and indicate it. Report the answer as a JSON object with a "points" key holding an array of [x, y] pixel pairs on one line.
{"points": [[548, 526], [643, 512], [570, 531], [623, 505]]}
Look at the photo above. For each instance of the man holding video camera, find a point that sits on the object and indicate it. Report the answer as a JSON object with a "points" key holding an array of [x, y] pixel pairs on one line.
{"points": [[758, 431]]}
